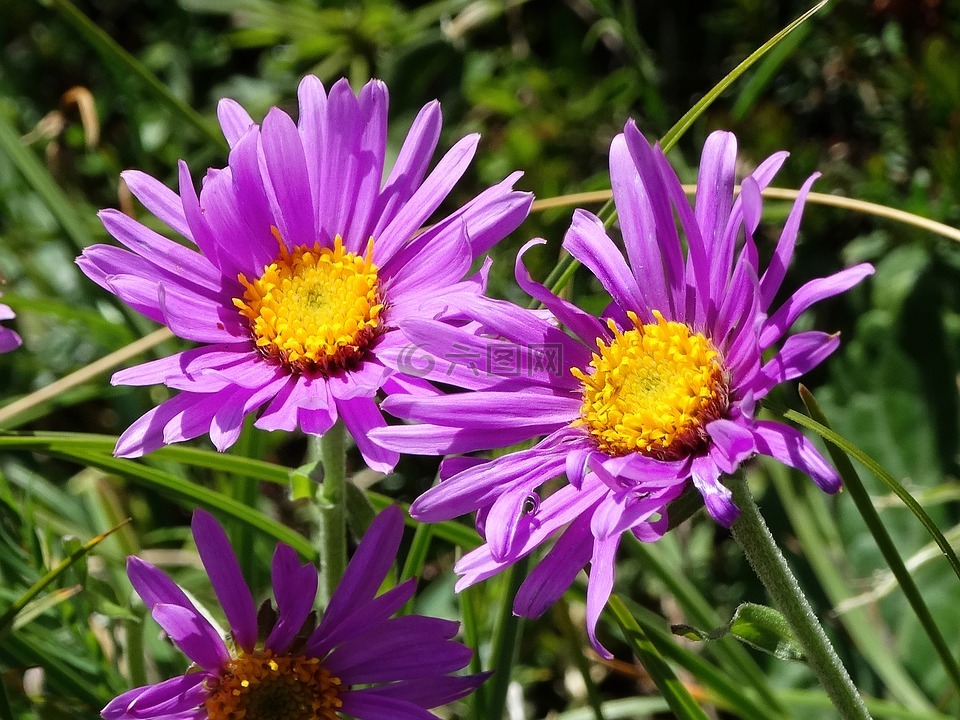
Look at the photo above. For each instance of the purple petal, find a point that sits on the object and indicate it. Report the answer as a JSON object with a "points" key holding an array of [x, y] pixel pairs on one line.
{"points": [[428, 196], [811, 293], [193, 635], [362, 182], [146, 434], [588, 242], [488, 410], [585, 326], [176, 695], [481, 485], [777, 270], [160, 200], [716, 496], [435, 260], [367, 568], [599, 587], [547, 582], [295, 588], [361, 415], [292, 203], [234, 120], [252, 203], [800, 353], [200, 231], [224, 572], [342, 128], [429, 439], [427, 692], [300, 398], [172, 257], [714, 204], [360, 619], [666, 234], [733, 442], [638, 226], [411, 165], [312, 126], [197, 318], [791, 448], [367, 705]]}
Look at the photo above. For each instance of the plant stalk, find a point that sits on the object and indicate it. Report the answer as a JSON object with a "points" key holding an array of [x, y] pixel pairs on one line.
{"points": [[752, 534], [330, 499]]}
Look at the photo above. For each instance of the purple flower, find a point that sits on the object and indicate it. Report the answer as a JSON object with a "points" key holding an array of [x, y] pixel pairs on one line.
{"points": [[659, 391], [280, 662], [307, 262], [9, 340]]}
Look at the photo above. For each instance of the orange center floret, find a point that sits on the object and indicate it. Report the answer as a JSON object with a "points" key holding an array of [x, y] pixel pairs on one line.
{"points": [[264, 686], [314, 309], [654, 389]]}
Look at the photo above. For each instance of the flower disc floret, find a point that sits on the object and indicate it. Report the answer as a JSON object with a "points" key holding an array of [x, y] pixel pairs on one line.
{"points": [[653, 390], [264, 686], [314, 309]]}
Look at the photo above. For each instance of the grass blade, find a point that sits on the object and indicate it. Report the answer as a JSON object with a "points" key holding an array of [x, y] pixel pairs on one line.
{"points": [[674, 692]]}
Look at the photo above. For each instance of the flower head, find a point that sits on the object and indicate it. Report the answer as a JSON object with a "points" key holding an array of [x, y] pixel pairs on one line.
{"points": [[9, 340], [658, 393], [278, 663], [304, 261]]}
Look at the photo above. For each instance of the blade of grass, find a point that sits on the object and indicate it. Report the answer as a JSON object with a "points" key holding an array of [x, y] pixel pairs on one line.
{"points": [[886, 478], [574, 638], [128, 65], [506, 641], [10, 614], [683, 124], [861, 498], [727, 651], [471, 637], [193, 495], [413, 563], [806, 509], [674, 692]]}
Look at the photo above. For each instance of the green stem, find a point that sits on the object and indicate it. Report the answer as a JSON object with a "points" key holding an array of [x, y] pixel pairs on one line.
{"points": [[330, 504], [506, 641], [136, 659], [752, 534]]}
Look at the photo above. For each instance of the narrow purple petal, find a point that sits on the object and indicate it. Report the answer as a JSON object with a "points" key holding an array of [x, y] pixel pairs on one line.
{"points": [[312, 126], [588, 242], [777, 270], [428, 692], [638, 226], [428, 196], [811, 293], [361, 415], [223, 570], [200, 231], [481, 485], [599, 587], [367, 568], [197, 318], [547, 582], [252, 203], [792, 448], [411, 165], [368, 171], [292, 203], [367, 705], [295, 588], [167, 697], [430, 439], [193, 635], [234, 120], [300, 398], [342, 128], [433, 261], [160, 200], [733, 443], [585, 326], [714, 204], [489, 410], [800, 354], [361, 618], [716, 496]]}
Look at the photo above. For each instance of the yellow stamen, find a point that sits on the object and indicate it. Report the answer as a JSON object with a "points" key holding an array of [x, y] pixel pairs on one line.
{"points": [[654, 389], [314, 309], [264, 686]]}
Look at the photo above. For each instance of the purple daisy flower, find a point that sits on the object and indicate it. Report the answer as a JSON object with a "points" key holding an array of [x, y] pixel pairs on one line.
{"points": [[659, 391], [9, 340], [307, 262], [279, 662]]}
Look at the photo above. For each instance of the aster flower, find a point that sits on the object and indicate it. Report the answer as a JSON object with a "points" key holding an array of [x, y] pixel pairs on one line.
{"points": [[279, 663], [659, 392], [9, 340], [304, 262]]}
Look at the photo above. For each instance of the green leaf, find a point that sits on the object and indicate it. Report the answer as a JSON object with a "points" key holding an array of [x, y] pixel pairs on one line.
{"points": [[674, 692], [759, 626], [10, 615]]}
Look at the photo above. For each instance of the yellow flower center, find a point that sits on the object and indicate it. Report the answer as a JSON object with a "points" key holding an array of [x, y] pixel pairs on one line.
{"points": [[654, 389], [314, 309], [264, 686]]}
